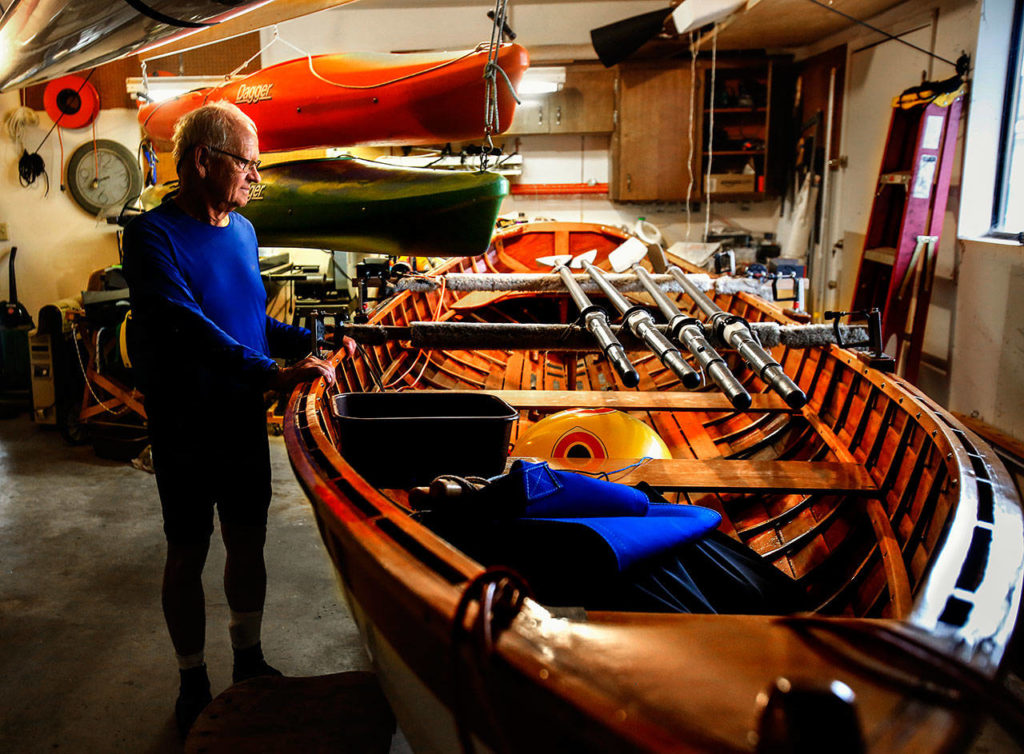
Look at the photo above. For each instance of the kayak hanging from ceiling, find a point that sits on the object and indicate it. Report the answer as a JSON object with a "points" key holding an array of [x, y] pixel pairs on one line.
{"points": [[348, 204], [360, 98]]}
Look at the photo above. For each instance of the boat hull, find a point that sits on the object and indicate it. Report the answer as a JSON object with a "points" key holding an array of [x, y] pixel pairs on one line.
{"points": [[44, 39], [358, 98], [353, 205], [915, 571]]}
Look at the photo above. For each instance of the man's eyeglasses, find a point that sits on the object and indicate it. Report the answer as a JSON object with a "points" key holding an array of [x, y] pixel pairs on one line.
{"points": [[246, 165]]}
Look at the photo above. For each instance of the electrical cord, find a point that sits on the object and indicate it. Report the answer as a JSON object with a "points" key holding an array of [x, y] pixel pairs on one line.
{"points": [[30, 167]]}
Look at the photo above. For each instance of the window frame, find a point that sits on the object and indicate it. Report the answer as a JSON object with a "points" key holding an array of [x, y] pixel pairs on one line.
{"points": [[1012, 93]]}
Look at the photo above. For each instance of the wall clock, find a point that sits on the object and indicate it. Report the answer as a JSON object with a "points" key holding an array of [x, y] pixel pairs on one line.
{"points": [[102, 175]]}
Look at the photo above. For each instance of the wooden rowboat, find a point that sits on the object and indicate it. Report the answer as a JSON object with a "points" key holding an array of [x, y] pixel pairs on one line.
{"points": [[359, 98], [901, 531], [348, 204]]}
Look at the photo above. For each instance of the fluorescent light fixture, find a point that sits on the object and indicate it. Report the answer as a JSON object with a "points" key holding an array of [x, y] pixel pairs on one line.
{"points": [[542, 80], [162, 88], [693, 14]]}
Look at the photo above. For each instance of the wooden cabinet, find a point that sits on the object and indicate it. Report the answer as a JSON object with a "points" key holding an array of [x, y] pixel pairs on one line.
{"points": [[583, 105], [531, 117], [745, 156], [651, 154]]}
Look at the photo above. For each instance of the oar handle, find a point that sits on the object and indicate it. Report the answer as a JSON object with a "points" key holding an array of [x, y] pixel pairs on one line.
{"points": [[722, 376], [596, 322], [641, 323], [690, 332], [735, 331]]}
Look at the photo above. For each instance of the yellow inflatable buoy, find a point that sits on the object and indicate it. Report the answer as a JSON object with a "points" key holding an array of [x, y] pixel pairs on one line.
{"points": [[591, 433]]}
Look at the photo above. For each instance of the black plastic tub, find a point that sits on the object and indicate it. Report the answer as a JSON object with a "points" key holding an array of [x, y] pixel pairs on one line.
{"points": [[406, 439]]}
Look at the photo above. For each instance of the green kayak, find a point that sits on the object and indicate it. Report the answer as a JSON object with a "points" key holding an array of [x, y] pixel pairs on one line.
{"points": [[349, 204]]}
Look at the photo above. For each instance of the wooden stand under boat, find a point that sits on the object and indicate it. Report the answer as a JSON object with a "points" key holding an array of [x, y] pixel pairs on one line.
{"points": [[899, 528]]}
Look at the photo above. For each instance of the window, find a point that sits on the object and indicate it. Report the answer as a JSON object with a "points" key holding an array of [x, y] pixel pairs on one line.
{"points": [[1008, 214]]}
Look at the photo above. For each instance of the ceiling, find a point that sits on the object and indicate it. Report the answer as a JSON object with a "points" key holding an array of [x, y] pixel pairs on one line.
{"points": [[789, 24], [34, 56], [762, 24]]}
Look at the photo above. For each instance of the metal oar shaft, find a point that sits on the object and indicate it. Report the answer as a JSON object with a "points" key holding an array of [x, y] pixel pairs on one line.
{"points": [[736, 332], [642, 325], [702, 300], [690, 333], [596, 321]]}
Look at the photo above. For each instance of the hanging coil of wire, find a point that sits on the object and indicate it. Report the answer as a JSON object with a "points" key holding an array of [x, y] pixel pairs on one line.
{"points": [[30, 166]]}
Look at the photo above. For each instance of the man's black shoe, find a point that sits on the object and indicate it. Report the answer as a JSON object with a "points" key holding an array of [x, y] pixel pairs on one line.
{"points": [[249, 663], [193, 697]]}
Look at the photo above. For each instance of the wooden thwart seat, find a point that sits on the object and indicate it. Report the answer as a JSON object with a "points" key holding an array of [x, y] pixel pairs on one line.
{"points": [[726, 475], [634, 401]]}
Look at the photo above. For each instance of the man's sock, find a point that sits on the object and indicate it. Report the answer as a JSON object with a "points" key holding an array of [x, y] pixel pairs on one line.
{"points": [[245, 629], [187, 662]]}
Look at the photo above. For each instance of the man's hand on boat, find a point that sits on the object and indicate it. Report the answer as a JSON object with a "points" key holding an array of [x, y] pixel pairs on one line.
{"points": [[306, 370]]}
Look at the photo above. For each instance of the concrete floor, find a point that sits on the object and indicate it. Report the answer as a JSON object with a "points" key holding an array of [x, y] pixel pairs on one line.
{"points": [[85, 662]]}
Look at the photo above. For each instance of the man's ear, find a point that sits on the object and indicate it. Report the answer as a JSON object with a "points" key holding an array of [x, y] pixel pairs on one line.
{"points": [[201, 160]]}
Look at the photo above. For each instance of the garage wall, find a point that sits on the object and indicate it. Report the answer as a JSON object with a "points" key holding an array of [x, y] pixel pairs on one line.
{"points": [[877, 70], [59, 244], [974, 342]]}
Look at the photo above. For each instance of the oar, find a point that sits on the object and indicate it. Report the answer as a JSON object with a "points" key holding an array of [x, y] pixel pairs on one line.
{"points": [[735, 331], [596, 321], [687, 330], [641, 324], [690, 332]]}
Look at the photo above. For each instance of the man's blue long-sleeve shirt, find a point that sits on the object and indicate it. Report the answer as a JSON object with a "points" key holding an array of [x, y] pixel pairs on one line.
{"points": [[200, 307]]}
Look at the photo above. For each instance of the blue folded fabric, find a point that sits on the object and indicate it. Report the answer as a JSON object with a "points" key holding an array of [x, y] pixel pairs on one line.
{"points": [[622, 516], [549, 493]]}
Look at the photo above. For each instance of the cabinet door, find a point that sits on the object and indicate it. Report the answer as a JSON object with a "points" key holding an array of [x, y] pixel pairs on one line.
{"points": [[651, 146], [585, 103], [531, 117]]}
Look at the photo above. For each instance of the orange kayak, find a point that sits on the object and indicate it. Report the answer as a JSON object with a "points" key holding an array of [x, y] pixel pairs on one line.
{"points": [[358, 98]]}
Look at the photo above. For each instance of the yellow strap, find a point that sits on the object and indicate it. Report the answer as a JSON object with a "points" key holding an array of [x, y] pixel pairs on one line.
{"points": [[122, 340], [914, 99]]}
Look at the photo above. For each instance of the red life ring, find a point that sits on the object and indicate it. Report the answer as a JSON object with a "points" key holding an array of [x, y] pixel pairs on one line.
{"points": [[71, 102]]}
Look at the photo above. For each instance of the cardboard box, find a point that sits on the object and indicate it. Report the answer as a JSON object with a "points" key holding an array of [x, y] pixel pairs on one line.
{"points": [[731, 183]]}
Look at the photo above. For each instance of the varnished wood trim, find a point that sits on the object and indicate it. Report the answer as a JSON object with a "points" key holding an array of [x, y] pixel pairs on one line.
{"points": [[635, 401], [721, 475]]}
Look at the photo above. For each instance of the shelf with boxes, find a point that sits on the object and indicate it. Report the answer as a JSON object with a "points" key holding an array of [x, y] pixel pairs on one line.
{"points": [[737, 113]]}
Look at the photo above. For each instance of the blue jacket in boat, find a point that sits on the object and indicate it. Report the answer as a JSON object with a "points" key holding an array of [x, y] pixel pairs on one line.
{"points": [[200, 327]]}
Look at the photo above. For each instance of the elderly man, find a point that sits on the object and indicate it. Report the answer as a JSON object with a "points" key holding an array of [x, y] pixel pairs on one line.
{"points": [[203, 346]]}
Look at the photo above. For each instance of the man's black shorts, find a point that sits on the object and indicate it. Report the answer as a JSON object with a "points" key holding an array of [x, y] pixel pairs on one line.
{"points": [[210, 454]]}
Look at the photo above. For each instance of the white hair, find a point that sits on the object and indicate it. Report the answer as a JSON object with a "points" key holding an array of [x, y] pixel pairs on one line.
{"points": [[216, 125]]}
